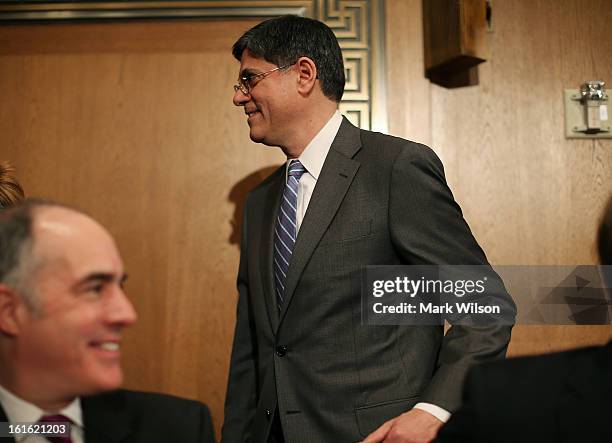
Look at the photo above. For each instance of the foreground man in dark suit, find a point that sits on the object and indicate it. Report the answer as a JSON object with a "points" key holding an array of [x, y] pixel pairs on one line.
{"points": [[62, 311], [561, 397], [303, 367]]}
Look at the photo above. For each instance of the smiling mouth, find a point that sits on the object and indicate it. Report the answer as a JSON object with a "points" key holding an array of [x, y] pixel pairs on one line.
{"points": [[107, 346]]}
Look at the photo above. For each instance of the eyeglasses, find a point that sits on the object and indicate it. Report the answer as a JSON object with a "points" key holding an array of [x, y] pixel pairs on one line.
{"points": [[247, 83]]}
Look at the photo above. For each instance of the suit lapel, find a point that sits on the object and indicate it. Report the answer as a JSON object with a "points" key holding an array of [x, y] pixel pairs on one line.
{"points": [[271, 195], [4, 419], [336, 176], [106, 418]]}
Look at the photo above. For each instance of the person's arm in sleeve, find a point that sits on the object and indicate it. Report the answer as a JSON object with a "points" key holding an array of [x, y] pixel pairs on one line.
{"points": [[427, 228]]}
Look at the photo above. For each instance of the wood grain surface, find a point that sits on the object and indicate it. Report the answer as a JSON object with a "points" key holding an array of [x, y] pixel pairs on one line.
{"points": [[530, 196]]}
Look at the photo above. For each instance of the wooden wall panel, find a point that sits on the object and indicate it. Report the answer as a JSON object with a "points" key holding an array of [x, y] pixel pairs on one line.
{"points": [[530, 195], [408, 91], [134, 123]]}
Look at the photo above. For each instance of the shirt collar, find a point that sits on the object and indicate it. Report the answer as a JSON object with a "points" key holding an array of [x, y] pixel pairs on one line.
{"points": [[74, 412], [314, 154], [20, 411]]}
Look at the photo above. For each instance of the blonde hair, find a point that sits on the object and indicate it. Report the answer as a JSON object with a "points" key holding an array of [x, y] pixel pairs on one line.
{"points": [[11, 191]]}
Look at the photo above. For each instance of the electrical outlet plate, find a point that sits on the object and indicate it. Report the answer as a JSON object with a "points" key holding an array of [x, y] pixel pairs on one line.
{"points": [[574, 117]]}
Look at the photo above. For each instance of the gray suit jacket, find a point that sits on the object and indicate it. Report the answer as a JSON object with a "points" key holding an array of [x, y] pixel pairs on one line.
{"points": [[379, 200]]}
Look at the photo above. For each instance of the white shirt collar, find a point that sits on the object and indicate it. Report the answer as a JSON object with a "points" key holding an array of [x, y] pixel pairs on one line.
{"points": [[314, 154], [20, 411]]}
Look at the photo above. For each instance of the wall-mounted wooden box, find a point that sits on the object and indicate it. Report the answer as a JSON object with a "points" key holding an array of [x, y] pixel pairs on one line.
{"points": [[455, 37]]}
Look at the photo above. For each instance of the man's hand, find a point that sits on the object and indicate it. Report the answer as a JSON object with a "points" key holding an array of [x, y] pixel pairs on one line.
{"points": [[414, 426]]}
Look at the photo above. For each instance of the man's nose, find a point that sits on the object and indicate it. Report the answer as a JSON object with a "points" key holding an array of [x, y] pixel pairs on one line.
{"points": [[240, 98], [120, 311]]}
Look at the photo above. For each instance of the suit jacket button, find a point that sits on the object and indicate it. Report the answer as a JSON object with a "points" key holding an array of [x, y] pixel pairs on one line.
{"points": [[281, 350], [268, 414]]}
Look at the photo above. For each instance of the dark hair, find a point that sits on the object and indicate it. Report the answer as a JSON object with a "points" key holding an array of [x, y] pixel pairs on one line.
{"points": [[283, 40], [17, 239], [604, 237], [11, 191]]}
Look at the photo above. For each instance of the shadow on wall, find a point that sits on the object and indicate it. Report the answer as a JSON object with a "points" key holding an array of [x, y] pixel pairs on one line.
{"points": [[237, 196]]}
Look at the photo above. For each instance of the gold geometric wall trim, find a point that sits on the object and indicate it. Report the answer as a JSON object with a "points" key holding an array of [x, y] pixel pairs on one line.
{"points": [[358, 25], [349, 21], [355, 112], [356, 67]]}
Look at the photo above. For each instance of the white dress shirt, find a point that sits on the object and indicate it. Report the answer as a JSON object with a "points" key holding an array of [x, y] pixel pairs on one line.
{"points": [[312, 159], [20, 411]]}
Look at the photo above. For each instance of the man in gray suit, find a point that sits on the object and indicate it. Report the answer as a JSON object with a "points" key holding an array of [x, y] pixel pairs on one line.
{"points": [[303, 367]]}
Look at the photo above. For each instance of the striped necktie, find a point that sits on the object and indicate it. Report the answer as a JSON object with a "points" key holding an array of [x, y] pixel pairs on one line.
{"points": [[285, 232]]}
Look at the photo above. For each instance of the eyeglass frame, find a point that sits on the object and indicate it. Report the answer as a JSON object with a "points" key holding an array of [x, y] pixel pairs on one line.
{"points": [[244, 82]]}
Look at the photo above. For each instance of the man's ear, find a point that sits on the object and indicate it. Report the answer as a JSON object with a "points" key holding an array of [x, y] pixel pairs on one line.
{"points": [[10, 304], [308, 75]]}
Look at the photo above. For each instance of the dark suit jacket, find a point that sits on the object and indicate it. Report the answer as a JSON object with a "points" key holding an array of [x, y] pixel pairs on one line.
{"points": [[378, 200], [562, 397], [138, 417]]}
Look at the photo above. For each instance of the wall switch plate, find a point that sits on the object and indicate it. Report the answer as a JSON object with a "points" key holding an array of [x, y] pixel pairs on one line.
{"points": [[575, 117]]}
